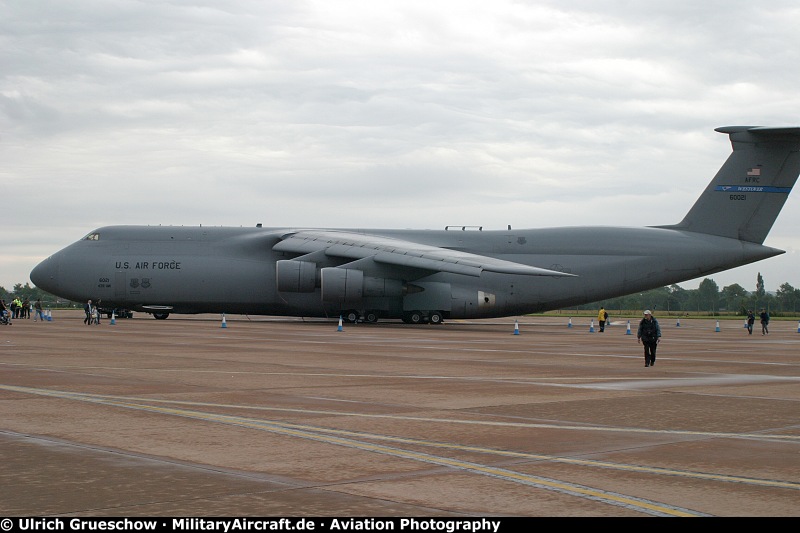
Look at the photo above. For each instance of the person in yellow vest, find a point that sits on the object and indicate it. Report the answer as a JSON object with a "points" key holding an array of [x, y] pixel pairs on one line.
{"points": [[602, 316]]}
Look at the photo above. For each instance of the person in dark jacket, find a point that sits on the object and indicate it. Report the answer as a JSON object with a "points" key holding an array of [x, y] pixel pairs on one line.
{"points": [[649, 334], [751, 318], [87, 308], [764, 322]]}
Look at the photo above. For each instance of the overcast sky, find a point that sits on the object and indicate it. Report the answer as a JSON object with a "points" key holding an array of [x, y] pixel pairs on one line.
{"points": [[409, 114]]}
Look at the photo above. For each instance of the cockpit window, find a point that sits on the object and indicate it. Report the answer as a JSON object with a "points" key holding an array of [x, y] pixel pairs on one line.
{"points": [[93, 237]]}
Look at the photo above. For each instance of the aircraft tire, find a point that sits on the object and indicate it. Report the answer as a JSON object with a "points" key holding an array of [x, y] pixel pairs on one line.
{"points": [[351, 316], [160, 316], [415, 317], [370, 317], [435, 317]]}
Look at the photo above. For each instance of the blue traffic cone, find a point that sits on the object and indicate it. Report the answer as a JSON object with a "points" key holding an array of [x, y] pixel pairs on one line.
{"points": [[340, 324], [591, 327], [570, 322], [717, 329], [629, 328], [678, 324], [224, 324], [113, 318], [516, 327]]}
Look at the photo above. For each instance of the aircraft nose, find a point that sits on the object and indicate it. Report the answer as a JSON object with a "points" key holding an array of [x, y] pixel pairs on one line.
{"points": [[45, 274]]}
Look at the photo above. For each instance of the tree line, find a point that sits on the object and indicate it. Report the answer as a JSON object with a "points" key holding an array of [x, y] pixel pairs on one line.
{"points": [[672, 299], [708, 299], [31, 293]]}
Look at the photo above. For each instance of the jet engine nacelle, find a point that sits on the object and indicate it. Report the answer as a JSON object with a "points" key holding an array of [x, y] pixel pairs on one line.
{"points": [[338, 284], [383, 287], [351, 285], [296, 276], [342, 284]]}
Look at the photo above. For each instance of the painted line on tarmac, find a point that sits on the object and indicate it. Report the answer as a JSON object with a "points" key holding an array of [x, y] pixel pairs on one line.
{"points": [[608, 429], [128, 402], [567, 460], [581, 491], [609, 383]]}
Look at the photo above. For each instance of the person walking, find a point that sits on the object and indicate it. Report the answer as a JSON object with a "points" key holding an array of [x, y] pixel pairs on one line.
{"points": [[649, 334], [764, 322], [87, 308], [751, 318], [38, 307], [602, 316]]}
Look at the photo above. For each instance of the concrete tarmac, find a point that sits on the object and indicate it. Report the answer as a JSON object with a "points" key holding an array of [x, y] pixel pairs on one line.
{"points": [[288, 417]]}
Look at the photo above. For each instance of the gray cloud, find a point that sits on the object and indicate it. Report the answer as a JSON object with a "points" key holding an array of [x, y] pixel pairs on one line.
{"points": [[390, 114]]}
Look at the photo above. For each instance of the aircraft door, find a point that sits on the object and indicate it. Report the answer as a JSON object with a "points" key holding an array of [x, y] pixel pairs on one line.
{"points": [[120, 284]]}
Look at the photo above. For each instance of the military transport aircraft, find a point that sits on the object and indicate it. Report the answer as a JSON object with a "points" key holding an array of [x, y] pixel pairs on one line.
{"points": [[432, 275]]}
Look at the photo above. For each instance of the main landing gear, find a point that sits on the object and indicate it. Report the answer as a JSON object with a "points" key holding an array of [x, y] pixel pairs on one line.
{"points": [[352, 316], [411, 317], [418, 317]]}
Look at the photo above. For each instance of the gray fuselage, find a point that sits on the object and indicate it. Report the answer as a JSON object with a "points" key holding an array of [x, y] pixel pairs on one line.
{"points": [[233, 270]]}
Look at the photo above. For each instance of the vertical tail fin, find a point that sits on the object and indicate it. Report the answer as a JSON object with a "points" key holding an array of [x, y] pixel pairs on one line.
{"points": [[744, 198]]}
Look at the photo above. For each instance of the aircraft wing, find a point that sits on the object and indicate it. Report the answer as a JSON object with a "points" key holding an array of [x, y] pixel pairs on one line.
{"points": [[386, 250]]}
